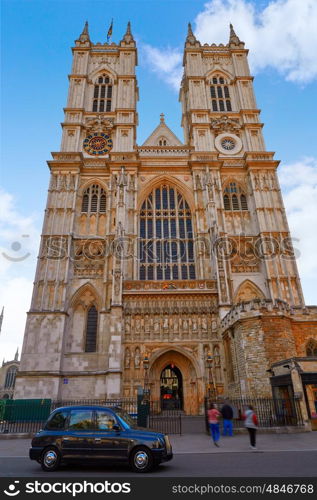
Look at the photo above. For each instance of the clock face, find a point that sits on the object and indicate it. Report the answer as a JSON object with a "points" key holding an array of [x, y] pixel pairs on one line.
{"points": [[97, 144], [228, 143]]}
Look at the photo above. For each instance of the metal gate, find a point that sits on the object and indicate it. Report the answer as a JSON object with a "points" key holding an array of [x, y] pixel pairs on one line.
{"points": [[168, 421]]}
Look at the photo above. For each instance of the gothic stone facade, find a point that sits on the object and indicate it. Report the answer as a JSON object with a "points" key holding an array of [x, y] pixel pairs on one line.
{"points": [[174, 252]]}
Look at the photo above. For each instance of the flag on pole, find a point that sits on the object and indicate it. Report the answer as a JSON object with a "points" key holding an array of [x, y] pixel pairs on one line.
{"points": [[109, 34]]}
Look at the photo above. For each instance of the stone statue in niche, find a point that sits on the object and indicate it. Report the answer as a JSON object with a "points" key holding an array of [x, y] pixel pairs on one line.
{"points": [[175, 324], [137, 358], [117, 283], [185, 324], [204, 324], [156, 325], [138, 324], [127, 325], [127, 358], [165, 323], [146, 323], [194, 324]]}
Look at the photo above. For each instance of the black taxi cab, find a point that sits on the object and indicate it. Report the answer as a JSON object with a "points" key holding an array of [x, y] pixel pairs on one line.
{"points": [[88, 434]]}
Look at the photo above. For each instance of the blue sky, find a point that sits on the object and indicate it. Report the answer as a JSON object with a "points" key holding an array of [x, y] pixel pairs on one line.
{"points": [[36, 59]]}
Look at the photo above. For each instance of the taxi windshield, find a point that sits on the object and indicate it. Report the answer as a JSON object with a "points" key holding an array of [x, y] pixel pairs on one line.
{"points": [[127, 419]]}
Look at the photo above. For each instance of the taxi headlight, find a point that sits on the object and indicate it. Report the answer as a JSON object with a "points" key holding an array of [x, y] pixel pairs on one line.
{"points": [[167, 442], [159, 443]]}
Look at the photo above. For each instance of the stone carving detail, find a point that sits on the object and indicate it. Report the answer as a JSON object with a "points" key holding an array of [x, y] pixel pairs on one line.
{"points": [[99, 125], [137, 358], [88, 257], [225, 124], [175, 285], [150, 318], [244, 256], [265, 181], [127, 358]]}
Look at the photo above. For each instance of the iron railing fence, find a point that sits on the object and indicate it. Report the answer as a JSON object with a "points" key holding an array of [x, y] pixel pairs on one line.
{"points": [[166, 420], [271, 412], [29, 416], [127, 404]]}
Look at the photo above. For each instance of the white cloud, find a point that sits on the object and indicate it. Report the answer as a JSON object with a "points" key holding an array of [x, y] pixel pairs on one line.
{"points": [[16, 298], [166, 63], [281, 36], [299, 186], [19, 236]]}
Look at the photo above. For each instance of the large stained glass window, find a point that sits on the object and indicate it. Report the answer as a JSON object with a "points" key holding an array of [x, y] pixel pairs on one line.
{"points": [[166, 244]]}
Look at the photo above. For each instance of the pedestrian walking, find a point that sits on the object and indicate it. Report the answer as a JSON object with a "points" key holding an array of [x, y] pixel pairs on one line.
{"points": [[213, 416], [227, 415], [251, 423]]}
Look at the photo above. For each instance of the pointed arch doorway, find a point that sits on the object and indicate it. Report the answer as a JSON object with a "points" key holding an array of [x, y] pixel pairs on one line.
{"points": [[179, 373], [171, 388]]}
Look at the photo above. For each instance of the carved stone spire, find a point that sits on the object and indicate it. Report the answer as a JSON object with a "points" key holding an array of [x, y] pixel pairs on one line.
{"points": [[190, 35], [84, 37], [16, 357], [234, 39], [128, 37]]}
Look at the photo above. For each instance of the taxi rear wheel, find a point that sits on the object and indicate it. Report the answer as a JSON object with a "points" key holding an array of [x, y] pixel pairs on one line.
{"points": [[141, 460]]}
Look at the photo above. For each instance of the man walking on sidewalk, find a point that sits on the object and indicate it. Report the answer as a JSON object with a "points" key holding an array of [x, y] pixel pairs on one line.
{"points": [[227, 415]]}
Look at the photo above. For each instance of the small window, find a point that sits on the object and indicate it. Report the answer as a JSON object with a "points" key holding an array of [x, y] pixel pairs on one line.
{"points": [[105, 420], [94, 200], [311, 348], [234, 198], [81, 420], [57, 421]]}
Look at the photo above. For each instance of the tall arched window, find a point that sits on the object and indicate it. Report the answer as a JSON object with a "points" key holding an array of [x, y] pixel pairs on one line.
{"points": [[10, 377], [234, 198], [311, 348], [91, 330], [220, 95], [94, 200], [102, 94], [166, 247]]}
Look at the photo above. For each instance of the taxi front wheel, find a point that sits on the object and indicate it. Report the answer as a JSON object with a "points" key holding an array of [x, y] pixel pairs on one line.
{"points": [[141, 460], [50, 459]]}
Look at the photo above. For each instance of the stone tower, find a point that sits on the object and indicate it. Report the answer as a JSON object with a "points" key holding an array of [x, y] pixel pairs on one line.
{"points": [[167, 264]]}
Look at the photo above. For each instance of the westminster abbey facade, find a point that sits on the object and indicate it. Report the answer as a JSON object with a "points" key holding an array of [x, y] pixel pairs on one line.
{"points": [[168, 264]]}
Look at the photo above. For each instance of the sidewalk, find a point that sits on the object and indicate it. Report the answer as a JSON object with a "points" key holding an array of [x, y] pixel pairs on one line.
{"points": [[201, 443]]}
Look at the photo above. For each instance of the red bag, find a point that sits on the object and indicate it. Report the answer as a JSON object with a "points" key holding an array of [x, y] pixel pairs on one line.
{"points": [[255, 419]]}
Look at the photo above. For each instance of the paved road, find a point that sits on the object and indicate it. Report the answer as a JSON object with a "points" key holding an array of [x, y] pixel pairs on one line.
{"points": [[235, 464]]}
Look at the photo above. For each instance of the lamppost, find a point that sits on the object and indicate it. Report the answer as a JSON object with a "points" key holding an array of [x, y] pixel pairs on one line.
{"points": [[209, 363], [146, 389]]}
